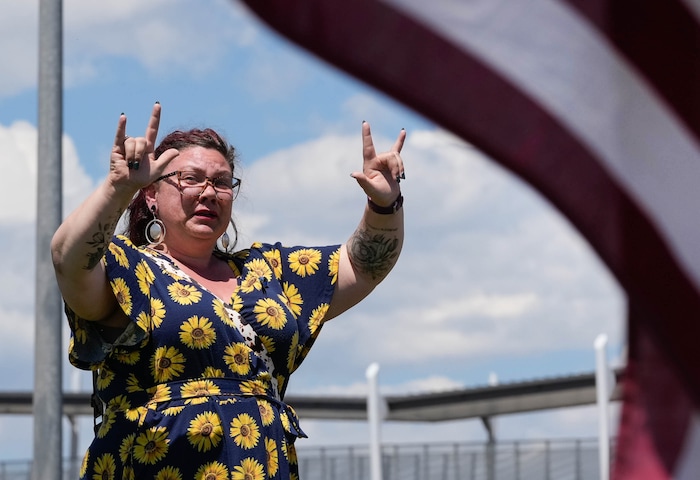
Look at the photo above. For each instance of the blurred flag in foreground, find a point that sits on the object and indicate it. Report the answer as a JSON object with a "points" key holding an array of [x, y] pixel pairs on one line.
{"points": [[597, 104]]}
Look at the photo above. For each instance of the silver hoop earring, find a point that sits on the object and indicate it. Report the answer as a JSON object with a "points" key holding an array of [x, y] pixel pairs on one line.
{"points": [[225, 239], [155, 229]]}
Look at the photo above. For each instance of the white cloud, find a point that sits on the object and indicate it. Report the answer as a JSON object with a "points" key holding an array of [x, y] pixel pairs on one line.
{"points": [[434, 383], [263, 81], [165, 37], [18, 195], [19, 42]]}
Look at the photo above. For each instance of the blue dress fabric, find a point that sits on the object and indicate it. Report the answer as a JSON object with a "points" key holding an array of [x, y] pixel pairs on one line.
{"points": [[194, 386]]}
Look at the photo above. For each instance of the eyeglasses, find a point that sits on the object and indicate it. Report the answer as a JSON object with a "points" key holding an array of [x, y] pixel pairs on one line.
{"points": [[193, 184]]}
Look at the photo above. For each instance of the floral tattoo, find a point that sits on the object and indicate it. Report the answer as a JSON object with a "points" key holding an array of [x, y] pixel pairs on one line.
{"points": [[373, 253], [98, 244]]}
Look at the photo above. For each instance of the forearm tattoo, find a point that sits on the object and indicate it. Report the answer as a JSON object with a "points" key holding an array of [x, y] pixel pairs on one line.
{"points": [[373, 254], [98, 244]]}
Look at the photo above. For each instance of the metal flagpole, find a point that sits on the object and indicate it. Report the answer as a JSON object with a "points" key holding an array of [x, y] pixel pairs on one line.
{"points": [[48, 398]]}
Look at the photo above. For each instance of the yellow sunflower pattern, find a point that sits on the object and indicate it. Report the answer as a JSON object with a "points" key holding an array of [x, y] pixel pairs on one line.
{"points": [[212, 471], [184, 294], [270, 313], [333, 264], [151, 445], [169, 473], [249, 469], [305, 261], [192, 379], [275, 261], [205, 431], [105, 467], [122, 294], [144, 277], [167, 364], [197, 332], [197, 391], [267, 413], [119, 255], [292, 298], [272, 456], [245, 431], [237, 357]]}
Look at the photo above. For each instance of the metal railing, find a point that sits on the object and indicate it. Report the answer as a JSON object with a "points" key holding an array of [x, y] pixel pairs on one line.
{"points": [[523, 460], [575, 459]]}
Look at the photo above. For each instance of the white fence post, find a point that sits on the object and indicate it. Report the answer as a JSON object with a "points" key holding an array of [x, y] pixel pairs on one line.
{"points": [[375, 414], [602, 374]]}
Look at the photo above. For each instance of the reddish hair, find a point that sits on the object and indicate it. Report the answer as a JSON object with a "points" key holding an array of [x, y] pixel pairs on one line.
{"points": [[137, 213]]}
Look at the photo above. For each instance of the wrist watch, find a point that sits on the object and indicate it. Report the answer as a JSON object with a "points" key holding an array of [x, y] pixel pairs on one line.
{"points": [[391, 209]]}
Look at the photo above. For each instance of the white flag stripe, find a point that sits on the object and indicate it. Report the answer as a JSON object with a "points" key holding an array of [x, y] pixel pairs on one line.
{"points": [[575, 75], [693, 6], [688, 464]]}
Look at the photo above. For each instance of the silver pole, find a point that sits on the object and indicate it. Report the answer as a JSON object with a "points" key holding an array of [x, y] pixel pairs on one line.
{"points": [[48, 398]]}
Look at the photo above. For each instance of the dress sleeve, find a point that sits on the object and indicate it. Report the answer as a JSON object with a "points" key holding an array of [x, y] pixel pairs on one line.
{"points": [[308, 276], [130, 279]]}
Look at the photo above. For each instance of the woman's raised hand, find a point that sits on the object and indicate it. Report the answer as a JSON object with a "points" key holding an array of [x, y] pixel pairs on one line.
{"points": [[132, 161], [381, 173]]}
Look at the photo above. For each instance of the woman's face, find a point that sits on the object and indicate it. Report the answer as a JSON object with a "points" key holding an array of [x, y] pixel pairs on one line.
{"points": [[189, 215]]}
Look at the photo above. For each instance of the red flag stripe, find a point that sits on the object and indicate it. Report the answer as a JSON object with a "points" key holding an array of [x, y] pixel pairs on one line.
{"points": [[601, 101]]}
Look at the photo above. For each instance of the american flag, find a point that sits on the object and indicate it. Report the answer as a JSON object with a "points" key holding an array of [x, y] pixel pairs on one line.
{"points": [[596, 103]]}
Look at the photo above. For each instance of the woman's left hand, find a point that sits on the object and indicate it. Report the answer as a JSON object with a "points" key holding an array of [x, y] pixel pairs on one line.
{"points": [[381, 173]]}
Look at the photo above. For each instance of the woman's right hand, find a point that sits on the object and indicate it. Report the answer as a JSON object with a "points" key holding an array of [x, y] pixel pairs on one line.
{"points": [[132, 163]]}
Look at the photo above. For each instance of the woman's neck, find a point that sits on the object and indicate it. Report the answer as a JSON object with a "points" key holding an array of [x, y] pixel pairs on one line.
{"points": [[200, 261]]}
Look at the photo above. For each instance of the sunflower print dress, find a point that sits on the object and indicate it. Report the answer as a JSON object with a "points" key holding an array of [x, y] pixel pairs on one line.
{"points": [[194, 386]]}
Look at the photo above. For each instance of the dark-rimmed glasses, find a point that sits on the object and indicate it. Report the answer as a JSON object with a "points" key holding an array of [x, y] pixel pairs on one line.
{"points": [[193, 184]]}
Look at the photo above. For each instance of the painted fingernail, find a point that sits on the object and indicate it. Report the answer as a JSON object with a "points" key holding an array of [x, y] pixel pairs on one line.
{"points": [[403, 175], [136, 165], [157, 102]]}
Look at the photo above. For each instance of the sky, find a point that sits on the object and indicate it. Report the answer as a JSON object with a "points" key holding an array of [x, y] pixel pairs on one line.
{"points": [[492, 282]]}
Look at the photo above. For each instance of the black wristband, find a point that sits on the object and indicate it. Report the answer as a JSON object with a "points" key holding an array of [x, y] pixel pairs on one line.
{"points": [[391, 209]]}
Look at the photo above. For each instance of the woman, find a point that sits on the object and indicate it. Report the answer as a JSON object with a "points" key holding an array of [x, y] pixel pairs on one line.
{"points": [[192, 345]]}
